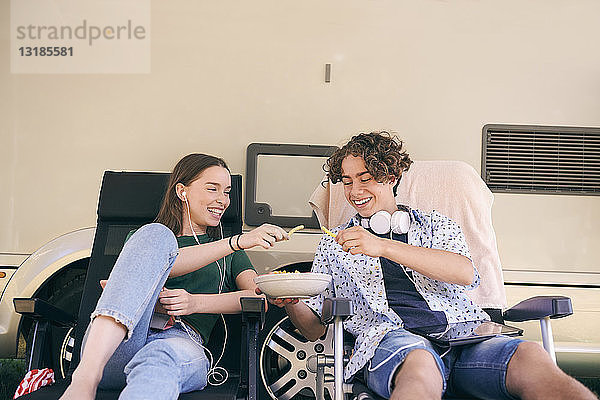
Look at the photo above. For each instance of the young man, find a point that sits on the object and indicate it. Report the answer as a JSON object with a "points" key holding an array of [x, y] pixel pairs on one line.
{"points": [[414, 272]]}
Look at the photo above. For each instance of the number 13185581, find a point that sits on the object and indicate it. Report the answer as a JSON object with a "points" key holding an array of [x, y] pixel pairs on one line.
{"points": [[48, 51]]}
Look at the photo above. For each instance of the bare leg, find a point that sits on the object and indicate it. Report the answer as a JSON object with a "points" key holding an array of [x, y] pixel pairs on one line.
{"points": [[418, 377], [104, 337], [531, 374]]}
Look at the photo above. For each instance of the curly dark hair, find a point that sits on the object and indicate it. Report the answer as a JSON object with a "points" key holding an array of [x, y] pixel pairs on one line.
{"points": [[381, 151]]}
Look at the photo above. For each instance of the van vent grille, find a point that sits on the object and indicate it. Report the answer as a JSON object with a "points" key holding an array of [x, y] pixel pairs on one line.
{"points": [[541, 159]]}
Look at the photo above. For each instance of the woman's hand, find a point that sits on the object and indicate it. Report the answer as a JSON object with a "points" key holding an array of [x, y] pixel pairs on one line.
{"points": [[177, 301], [357, 240], [264, 236]]}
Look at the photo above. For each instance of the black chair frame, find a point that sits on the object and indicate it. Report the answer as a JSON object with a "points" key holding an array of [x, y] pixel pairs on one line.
{"points": [[127, 201], [336, 310]]}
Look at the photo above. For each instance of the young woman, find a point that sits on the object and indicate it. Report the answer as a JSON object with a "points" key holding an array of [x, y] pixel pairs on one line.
{"points": [[183, 262]]}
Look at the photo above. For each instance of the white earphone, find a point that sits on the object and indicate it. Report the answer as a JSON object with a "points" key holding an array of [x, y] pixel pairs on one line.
{"points": [[383, 222], [216, 375]]}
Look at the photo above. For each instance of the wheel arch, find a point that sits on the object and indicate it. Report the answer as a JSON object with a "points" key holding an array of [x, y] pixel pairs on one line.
{"points": [[37, 272]]}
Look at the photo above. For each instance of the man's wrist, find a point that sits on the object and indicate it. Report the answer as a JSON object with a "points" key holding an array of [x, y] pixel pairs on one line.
{"points": [[289, 307], [383, 246]]}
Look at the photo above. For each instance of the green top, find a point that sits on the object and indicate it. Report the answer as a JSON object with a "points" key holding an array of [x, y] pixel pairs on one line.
{"points": [[206, 280]]}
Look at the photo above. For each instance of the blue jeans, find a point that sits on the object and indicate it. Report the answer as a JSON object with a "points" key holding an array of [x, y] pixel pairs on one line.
{"points": [[476, 370], [149, 364]]}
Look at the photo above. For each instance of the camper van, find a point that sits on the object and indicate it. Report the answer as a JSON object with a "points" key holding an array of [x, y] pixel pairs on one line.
{"points": [[460, 80]]}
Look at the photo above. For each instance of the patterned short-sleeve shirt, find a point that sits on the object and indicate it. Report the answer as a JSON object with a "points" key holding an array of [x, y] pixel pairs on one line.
{"points": [[360, 278]]}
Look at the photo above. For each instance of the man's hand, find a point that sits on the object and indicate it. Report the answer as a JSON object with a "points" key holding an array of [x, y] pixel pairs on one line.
{"points": [[264, 236], [357, 240], [177, 301], [281, 303]]}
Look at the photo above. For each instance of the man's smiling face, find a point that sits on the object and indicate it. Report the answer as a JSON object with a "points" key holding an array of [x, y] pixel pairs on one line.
{"points": [[362, 191]]}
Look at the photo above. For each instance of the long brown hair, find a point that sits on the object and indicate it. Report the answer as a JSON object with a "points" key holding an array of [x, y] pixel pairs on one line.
{"points": [[187, 170]]}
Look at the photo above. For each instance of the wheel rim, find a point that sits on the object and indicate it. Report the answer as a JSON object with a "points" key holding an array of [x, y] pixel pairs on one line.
{"points": [[284, 359]]}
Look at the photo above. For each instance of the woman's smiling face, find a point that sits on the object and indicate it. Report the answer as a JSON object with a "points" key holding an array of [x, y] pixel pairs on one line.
{"points": [[208, 198]]}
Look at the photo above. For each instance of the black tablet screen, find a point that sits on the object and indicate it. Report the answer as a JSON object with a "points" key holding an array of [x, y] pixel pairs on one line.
{"points": [[465, 332]]}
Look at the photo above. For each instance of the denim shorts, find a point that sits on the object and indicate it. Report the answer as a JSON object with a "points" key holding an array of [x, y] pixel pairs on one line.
{"points": [[477, 370]]}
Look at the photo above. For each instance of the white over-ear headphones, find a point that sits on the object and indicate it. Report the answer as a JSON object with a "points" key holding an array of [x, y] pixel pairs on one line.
{"points": [[383, 222]]}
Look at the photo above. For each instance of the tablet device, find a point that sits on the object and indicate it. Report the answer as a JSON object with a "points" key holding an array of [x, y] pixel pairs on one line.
{"points": [[461, 333], [159, 321]]}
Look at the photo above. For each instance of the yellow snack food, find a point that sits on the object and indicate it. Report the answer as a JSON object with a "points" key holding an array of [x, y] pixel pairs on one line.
{"points": [[327, 231], [285, 272], [295, 229]]}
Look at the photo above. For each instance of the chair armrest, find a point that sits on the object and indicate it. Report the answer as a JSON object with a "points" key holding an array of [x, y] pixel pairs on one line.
{"points": [[336, 307], [253, 308], [39, 309], [540, 307], [253, 320]]}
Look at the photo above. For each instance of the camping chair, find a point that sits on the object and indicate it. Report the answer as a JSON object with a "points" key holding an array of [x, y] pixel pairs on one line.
{"points": [[455, 189], [127, 201]]}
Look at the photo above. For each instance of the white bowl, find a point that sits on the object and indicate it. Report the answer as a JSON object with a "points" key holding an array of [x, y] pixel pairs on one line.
{"points": [[293, 285]]}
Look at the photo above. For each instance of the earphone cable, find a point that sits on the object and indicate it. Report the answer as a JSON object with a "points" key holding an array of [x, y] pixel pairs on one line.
{"points": [[216, 375], [219, 375]]}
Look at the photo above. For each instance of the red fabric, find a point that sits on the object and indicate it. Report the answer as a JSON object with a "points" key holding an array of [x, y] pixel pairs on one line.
{"points": [[33, 380], [170, 322]]}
